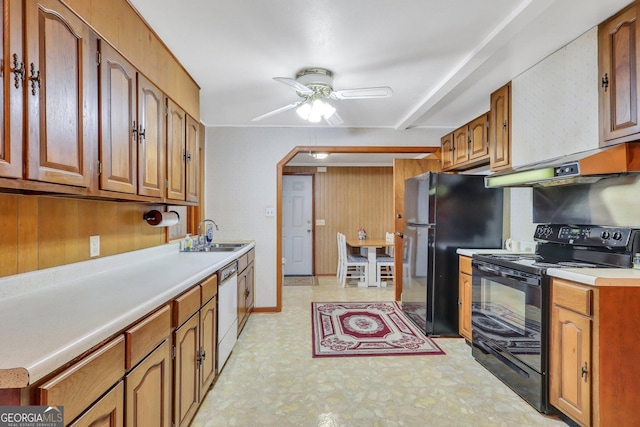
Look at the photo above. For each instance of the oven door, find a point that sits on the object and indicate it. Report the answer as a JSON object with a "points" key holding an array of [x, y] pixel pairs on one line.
{"points": [[506, 320]]}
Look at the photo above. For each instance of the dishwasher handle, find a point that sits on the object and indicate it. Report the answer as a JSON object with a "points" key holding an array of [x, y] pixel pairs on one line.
{"points": [[228, 271]]}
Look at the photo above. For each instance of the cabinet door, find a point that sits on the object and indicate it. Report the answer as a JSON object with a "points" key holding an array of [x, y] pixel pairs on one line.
{"points": [[500, 128], [250, 287], [148, 390], [151, 139], [11, 90], [61, 80], [192, 159], [619, 42], [187, 350], [242, 302], [464, 306], [176, 151], [461, 145], [479, 137], [208, 341], [118, 128], [446, 149], [570, 373], [106, 412]]}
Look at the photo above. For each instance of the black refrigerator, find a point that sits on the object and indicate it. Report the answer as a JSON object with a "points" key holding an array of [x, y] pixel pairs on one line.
{"points": [[443, 212]]}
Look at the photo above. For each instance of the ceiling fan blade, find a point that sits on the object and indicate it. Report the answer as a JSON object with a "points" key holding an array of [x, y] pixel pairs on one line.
{"points": [[363, 93], [334, 119], [278, 111], [299, 87]]}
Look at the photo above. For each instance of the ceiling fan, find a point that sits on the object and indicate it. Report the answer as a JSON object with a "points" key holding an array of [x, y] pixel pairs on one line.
{"points": [[314, 85]]}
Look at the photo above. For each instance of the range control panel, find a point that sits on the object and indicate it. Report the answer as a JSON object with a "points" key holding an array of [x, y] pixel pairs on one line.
{"points": [[585, 235]]}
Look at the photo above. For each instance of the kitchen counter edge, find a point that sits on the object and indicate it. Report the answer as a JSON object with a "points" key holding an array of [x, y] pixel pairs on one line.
{"points": [[23, 363]]}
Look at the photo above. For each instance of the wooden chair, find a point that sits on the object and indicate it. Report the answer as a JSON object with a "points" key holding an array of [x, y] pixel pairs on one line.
{"points": [[353, 266]]}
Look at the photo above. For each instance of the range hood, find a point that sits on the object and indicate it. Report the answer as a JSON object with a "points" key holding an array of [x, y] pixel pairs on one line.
{"points": [[584, 167]]}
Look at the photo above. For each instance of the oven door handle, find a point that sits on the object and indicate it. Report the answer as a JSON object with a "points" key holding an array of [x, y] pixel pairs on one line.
{"points": [[498, 272], [487, 349]]}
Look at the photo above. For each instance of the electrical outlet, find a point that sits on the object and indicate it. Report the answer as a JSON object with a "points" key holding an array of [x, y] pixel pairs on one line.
{"points": [[94, 246], [270, 212]]}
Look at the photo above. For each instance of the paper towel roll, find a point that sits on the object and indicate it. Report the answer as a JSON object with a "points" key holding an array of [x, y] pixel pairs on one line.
{"points": [[162, 219]]}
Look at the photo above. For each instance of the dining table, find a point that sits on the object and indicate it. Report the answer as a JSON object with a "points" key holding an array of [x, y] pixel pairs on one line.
{"points": [[370, 246]]}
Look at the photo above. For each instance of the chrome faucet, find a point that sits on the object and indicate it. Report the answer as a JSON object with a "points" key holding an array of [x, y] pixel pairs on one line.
{"points": [[199, 230]]}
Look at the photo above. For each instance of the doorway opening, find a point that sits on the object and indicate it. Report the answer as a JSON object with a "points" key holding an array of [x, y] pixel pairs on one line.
{"points": [[416, 150]]}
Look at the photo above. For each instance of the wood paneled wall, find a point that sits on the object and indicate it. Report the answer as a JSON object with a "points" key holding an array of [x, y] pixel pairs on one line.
{"points": [[38, 232], [347, 198]]}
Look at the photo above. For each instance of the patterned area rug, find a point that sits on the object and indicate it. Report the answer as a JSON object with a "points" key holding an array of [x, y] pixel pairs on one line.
{"points": [[300, 281], [343, 329]]}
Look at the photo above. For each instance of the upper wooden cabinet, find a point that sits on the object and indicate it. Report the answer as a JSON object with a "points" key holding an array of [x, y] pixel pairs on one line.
{"points": [[192, 160], [151, 139], [132, 136], [618, 65], [61, 94], [11, 90], [446, 148], [84, 107], [183, 135], [118, 125], [500, 129], [467, 147]]}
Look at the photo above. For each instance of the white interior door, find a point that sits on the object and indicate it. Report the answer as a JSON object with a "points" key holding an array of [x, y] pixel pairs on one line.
{"points": [[297, 227]]}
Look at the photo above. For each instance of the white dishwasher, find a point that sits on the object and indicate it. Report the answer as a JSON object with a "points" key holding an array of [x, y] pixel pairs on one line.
{"points": [[227, 312]]}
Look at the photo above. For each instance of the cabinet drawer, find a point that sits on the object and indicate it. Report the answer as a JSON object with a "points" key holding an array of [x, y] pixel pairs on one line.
{"points": [[186, 306], [77, 387], [251, 255], [146, 335], [209, 288], [243, 261], [465, 264], [574, 297]]}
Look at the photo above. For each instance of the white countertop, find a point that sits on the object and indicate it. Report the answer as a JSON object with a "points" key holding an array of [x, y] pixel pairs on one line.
{"points": [[470, 252], [51, 316], [598, 276]]}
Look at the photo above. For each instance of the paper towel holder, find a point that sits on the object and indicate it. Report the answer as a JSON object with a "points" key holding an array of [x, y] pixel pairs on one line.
{"points": [[161, 219]]}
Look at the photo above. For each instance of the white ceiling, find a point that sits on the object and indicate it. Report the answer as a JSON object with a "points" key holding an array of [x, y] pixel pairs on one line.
{"points": [[442, 58]]}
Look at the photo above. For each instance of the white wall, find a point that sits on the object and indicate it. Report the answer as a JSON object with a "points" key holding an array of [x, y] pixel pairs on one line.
{"points": [[554, 112], [240, 181]]}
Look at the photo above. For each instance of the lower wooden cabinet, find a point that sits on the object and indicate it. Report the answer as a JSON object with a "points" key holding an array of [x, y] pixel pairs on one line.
{"points": [[464, 297], [594, 340], [148, 390], [246, 285], [194, 343], [79, 386], [106, 412]]}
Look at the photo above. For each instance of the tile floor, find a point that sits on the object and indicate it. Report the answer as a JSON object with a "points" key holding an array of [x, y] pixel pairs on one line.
{"points": [[272, 380]]}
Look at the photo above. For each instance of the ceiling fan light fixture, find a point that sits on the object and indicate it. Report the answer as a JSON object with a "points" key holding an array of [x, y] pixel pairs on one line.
{"points": [[304, 111], [319, 156], [315, 110]]}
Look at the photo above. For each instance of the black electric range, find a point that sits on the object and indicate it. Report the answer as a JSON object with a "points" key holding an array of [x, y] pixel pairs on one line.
{"points": [[511, 300]]}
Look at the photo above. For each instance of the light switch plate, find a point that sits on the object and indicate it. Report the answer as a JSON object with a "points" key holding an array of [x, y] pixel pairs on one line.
{"points": [[270, 212], [94, 246], [320, 222]]}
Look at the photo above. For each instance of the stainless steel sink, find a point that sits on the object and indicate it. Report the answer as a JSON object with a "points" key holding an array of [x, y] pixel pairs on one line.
{"points": [[219, 247]]}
